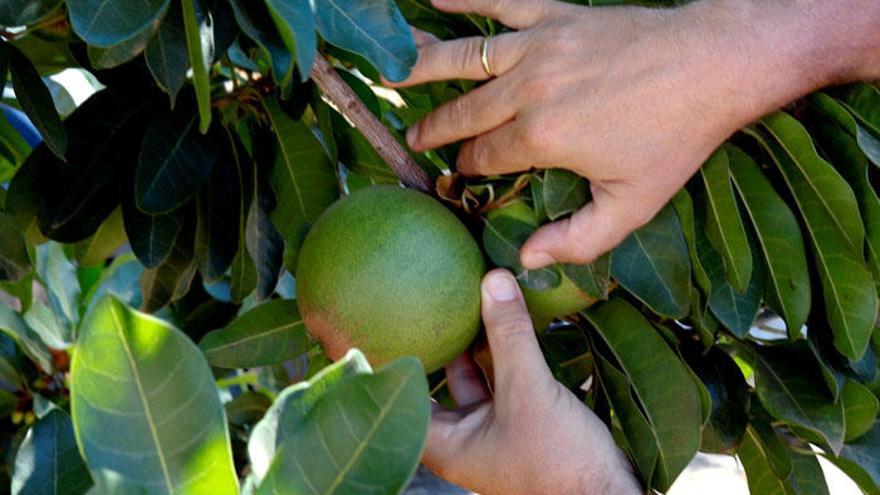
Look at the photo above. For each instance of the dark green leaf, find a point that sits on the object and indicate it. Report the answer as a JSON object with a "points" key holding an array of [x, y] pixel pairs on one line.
{"points": [[271, 333], [105, 241], [787, 284], [653, 264], [116, 55], [563, 192], [109, 22], [166, 55], [36, 101], [756, 461], [568, 355], [807, 477], [374, 29], [831, 214], [151, 236], [594, 279], [860, 409], [47, 462], [15, 263], [865, 452], [218, 205], [684, 207], [296, 25], [171, 280], [729, 394], [360, 157], [15, 13], [247, 408], [660, 381], [503, 236], [174, 161], [264, 244], [256, 22], [199, 31], [383, 415], [724, 225], [25, 193], [145, 407], [12, 324], [243, 273]]}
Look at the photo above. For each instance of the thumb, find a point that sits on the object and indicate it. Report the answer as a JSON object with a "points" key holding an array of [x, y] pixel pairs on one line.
{"points": [[594, 230], [516, 356]]}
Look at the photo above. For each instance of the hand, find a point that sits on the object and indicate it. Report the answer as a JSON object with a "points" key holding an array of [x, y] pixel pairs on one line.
{"points": [[634, 99], [534, 436]]}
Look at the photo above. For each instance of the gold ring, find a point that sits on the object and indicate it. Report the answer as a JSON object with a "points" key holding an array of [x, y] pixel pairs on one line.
{"points": [[484, 57]]}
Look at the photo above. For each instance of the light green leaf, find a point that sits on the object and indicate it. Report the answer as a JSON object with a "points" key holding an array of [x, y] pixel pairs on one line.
{"points": [[860, 409], [270, 333], [661, 383], [145, 408], [109, 22], [47, 462], [383, 415], [200, 47], [653, 265], [296, 25], [374, 29], [724, 225], [787, 284], [62, 285], [563, 192], [105, 241], [830, 211]]}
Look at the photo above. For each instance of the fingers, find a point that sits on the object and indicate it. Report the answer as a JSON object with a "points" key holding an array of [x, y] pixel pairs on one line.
{"points": [[518, 14], [466, 382], [507, 149], [481, 110], [516, 356], [423, 38], [595, 229], [462, 59]]}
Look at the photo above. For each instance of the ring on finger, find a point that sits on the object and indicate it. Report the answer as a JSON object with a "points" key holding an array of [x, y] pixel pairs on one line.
{"points": [[484, 57]]}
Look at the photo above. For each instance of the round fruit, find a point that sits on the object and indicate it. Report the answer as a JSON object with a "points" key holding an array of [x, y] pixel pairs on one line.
{"points": [[547, 305], [392, 272]]}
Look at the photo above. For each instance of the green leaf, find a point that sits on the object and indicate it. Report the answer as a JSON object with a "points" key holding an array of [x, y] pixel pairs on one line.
{"points": [[860, 408], [270, 333], [15, 263], [144, 405], [503, 236], [684, 207], [862, 101], [374, 29], [23, 195], [199, 31], [869, 144], [729, 395], [109, 22], [255, 21], [864, 453], [247, 408], [218, 209], [360, 157], [151, 236], [830, 211], [15, 13], [292, 407], [724, 225], [36, 101], [661, 383], [303, 180], [116, 55], [172, 279], [166, 54], [653, 265], [807, 477], [243, 275], [12, 324], [47, 461], [383, 415], [264, 244], [563, 192], [756, 462], [174, 161], [103, 243], [296, 25], [594, 279], [62, 285], [787, 284], [785, 381]]}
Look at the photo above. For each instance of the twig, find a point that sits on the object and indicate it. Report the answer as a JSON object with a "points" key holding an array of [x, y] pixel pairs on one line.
{"points": [[345, 99]]}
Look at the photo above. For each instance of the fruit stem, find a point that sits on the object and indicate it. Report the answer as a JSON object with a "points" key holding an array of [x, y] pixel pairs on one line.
{"points": [[348, 103]]}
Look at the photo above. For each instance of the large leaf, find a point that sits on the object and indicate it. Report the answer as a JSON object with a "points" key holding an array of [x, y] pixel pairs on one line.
{"points": [[116, 55], [174, 161], [105, 241], [151, 236], [15, 263], [218, 206], [504, 233], [374, 29], [110, 22], [661, 383], [383, 415], [293, 405], [807, 476], [830, 211], [729, 394], [653, 264], [296, 25], [785, 381], [166, 55], [270, 333], [47, 461], [199, 31], [860, 408], [864, 454], [172, 279], [724, 225], [787, 284], [145, 407], [304, 181], [255, 21], [35, 99], [594, 278], [15, 13], [757, 464], [563, 192]]}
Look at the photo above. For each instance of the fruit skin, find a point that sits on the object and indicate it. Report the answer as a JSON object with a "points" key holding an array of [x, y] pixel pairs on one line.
{"points": [[392, 272], [562, 300]]}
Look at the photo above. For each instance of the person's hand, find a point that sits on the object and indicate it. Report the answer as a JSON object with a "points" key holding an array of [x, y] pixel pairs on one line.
{"points": [[634, 99], [533, 436]]}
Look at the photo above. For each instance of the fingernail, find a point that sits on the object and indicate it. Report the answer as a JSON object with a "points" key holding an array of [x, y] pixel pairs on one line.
{"points": [[536, 260], [502, 287], [412, 135]]}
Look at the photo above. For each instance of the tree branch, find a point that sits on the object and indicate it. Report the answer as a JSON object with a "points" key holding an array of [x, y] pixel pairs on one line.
{"points": [[345, 99]]}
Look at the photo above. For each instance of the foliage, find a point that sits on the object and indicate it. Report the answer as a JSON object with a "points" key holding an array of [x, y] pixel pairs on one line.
{"points": [[742, 319]]}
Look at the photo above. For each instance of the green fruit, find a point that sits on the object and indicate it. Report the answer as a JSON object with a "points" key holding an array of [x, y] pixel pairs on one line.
{"points": [[547, 305], [392, 272]]}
